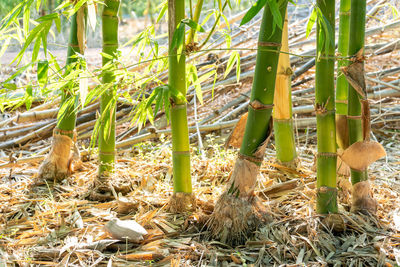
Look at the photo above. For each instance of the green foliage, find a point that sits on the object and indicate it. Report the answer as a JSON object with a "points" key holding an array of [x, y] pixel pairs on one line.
{"points": [[274, 6], [233, 59], [326, 30], [311, 21], [179, 35], [42, 72]]}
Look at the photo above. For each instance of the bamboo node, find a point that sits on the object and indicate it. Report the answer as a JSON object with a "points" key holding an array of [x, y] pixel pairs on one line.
{"points": [[257, 105], [269, 44], [107, 153], [289, 71], [251, 158], [181, 152], [327, 154], [178, 106], [326, 189], [322, 111], [58, 131], [354, 117]]}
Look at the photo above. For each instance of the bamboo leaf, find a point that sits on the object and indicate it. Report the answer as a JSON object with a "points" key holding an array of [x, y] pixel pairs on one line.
{"points": [[13, 14], [253, 11], [162, 12], [36, 49], [178, 40], [48, 18], [44, 34], [150, 116], [159, 102], [328, 32], [26, 15], [226, 21], [238, 68], [42, 72], [9, 86], [193, 77], [167, 104], [192, 24], [38, 2], [28, 98], [231, 62], [311, 22], [64, 108], [276, 14], [5, 46], [17, 73]]}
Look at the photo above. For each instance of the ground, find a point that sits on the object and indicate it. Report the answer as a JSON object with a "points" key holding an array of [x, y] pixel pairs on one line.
{"points": [[45, 224]]}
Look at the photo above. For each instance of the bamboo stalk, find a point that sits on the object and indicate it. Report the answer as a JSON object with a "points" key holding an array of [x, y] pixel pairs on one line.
{"points": [[325, 112], [282, 113], [179, 124], [108, 99], [357, 35], [341, 83], [196, 17], [66, 121]]}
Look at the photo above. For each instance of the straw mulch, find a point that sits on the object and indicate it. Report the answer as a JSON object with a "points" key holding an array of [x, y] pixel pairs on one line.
{"points": [[46, 224]]}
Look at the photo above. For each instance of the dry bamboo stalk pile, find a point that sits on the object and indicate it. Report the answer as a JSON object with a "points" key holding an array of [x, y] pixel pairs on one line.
{"points": [[42, 225]]}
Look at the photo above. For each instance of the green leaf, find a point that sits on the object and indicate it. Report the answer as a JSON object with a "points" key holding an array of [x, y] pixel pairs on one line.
{"points": [[167, 104], [159, 102], [27, 14], [28, 97], [311, 21], [38, 2], [276, 14], [193, 24], [18, 72], [10, 86], [36, 49], [42, 72], [253, 11], [13, 14], [238, 69], [4, 46], [234, 57], [193, 77], [329, 41], [178, 40], [48, 18], [65, 107], [162, 12]]}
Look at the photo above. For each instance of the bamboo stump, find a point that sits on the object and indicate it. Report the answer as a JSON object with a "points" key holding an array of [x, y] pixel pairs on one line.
{"points": [[59, 162], [238, 212]]}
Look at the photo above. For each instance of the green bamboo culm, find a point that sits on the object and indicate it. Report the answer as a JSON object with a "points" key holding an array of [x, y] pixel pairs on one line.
{"points": [[179, 124], [107, 102], [66, 121], [262, 92], [325, 110], [341, 82], [282, 114], [196, 17], [357, 35]]}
